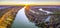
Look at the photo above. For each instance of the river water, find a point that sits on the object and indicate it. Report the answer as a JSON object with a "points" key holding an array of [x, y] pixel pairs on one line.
{"points": [[21, 21]]}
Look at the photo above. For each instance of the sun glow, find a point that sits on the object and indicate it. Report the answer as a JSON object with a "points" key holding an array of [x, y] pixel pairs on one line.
{"points": [[29, 3]]}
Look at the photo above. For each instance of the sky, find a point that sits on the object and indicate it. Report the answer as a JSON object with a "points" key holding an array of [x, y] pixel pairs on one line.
{"points": [[3, 2], [30, 0]]}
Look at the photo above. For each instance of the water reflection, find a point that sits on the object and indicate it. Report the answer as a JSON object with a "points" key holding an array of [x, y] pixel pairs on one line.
{"points": [[48, 12], [48, 19], [21, 21]]}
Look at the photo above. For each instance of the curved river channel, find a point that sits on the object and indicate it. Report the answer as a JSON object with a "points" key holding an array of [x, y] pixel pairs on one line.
{"points": [[21, 21]]}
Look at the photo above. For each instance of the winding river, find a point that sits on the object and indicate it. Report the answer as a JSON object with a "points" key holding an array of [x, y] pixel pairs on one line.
{"points": [[21, 21]]}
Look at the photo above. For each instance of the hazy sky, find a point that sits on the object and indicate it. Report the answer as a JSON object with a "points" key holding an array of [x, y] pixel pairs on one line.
{"points": [[29, 0]]}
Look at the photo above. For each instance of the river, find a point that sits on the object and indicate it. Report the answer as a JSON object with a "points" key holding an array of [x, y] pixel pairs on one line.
{"points": [[21, 21]]}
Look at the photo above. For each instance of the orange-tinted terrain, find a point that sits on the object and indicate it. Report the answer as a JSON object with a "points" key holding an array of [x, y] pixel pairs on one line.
{"points": [[7, 15]]}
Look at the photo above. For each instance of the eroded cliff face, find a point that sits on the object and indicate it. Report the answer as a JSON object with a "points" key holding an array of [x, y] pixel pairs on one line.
{"points": [[7, 15], [44, 16]]}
